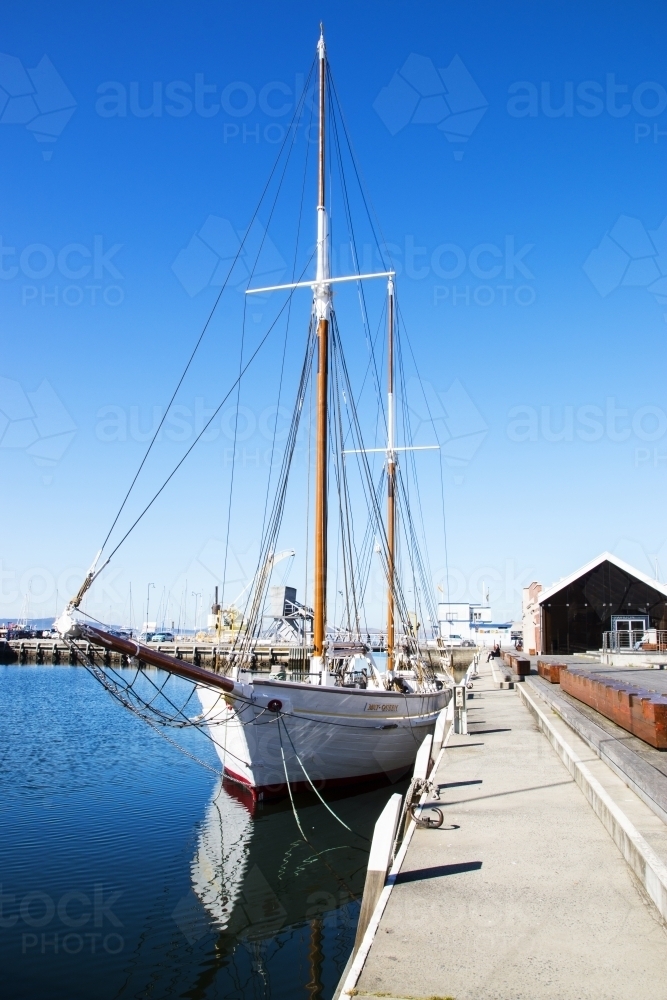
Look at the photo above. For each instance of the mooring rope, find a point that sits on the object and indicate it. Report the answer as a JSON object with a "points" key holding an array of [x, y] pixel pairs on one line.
{"points": [[324, 803], [289, 789]]}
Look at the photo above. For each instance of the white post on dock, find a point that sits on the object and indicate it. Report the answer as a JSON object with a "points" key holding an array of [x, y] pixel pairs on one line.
{"points": [[440, 731], [379, 862], [422, 760]]}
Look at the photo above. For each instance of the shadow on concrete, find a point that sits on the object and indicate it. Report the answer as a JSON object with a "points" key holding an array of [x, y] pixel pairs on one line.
{"points": [[438, 871], [511, 791], [487, 732], [460, 784]]}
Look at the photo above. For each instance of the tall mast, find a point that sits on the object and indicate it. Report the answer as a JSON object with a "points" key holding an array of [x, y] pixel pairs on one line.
{"points": [[322, 306], [391, 481]]}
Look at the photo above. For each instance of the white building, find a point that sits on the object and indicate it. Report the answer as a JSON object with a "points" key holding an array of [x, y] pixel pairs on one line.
{"points": [[460, 621]]}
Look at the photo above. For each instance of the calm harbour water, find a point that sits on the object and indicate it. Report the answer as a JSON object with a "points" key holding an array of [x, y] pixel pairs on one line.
{"points": [[128, 871]]}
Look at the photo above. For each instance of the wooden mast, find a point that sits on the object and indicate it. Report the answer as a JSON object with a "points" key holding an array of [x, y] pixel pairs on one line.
{"points": [[391, 483], [322, 310]]}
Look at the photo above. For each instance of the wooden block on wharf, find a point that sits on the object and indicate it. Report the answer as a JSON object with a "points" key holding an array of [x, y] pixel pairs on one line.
{"points": [[519, 664], [550, 671], [642, 713]]}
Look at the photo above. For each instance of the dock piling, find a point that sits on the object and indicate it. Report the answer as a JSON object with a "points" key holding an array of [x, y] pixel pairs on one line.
{"points": [[379, 862]]}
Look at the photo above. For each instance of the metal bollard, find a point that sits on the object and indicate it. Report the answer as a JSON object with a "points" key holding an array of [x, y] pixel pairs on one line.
{"points": [[460, 711]]}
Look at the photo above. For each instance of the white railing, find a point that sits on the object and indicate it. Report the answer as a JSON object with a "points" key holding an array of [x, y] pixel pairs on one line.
{"points": [[650, 640]]}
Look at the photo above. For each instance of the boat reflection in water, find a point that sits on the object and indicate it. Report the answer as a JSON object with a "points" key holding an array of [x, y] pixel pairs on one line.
{"points": [[284, 909]]}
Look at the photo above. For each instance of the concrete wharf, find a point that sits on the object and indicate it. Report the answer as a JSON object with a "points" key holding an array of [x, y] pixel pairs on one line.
{"points": [[268, 657], [548, 877], [203, 654]]}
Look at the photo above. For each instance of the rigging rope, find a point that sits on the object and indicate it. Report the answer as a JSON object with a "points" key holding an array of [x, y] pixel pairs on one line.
{"points": [[207, 424], [267, 547], [353, 245], [372, 499], [432, 421], [282, 363], [297, 113], [236, 430]]}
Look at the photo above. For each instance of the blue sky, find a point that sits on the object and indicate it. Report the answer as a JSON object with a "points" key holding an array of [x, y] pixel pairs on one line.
{"points": [[527, 231]]}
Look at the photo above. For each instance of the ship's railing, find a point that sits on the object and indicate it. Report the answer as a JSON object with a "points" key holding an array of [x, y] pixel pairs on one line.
{"points": [[651, 640]]}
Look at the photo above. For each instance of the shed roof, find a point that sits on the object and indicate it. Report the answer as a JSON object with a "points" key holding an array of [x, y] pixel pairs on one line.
{"points": [[661, 588]]}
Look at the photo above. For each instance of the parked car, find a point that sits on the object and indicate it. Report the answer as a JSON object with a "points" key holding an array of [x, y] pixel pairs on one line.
{"points": [[162, 637], [454, 640]]}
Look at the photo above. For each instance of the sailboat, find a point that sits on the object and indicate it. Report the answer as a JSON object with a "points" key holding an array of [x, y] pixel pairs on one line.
{"points": [[345, 720]]}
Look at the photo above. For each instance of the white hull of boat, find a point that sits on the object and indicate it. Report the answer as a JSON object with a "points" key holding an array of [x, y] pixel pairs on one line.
{"points": [[339, 735]]}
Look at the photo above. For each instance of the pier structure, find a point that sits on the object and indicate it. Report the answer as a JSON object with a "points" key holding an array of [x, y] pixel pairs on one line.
{"points": [[268, 656], [548, 876]]}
